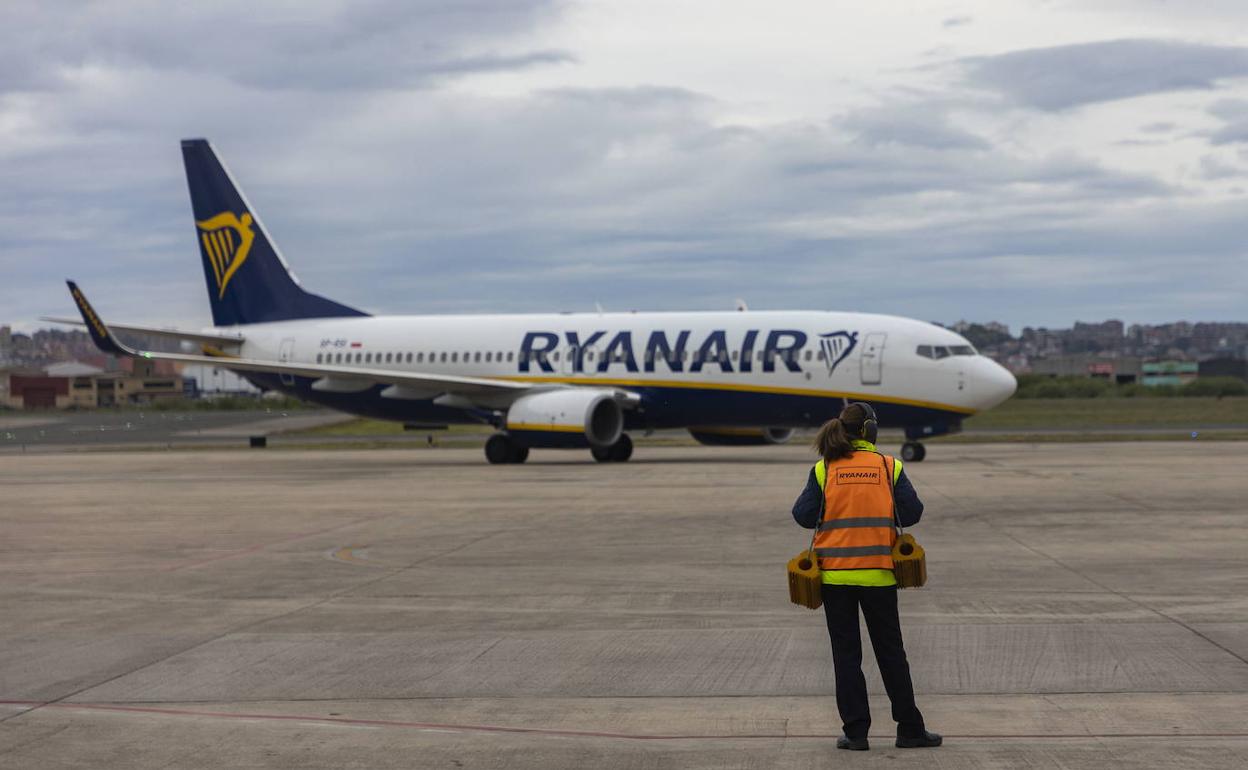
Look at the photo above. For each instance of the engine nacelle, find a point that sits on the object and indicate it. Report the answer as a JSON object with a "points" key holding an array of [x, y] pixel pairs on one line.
{"points": [[712, 435], [571, 417]]}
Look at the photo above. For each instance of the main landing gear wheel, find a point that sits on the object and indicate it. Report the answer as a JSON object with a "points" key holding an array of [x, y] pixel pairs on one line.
{"points": [[913, 452], [500, 449], [618, 452]]}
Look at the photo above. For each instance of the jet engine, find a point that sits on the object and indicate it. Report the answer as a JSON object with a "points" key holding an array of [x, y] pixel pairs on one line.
{"points": [[569, 417], [729, 436]]}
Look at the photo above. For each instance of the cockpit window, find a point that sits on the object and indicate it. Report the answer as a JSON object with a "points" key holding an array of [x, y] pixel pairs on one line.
{"points": [[938, 352]]}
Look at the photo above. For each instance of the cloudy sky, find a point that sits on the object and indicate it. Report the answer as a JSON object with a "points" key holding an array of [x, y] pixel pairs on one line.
{"points": [[1030, 162]]}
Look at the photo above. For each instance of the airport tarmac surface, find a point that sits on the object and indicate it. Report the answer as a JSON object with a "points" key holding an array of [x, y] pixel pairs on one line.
{"points": [[1087, 608], [103, 429]]}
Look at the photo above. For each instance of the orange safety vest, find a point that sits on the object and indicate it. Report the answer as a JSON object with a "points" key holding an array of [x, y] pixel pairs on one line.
{"points": [[857, 528]]}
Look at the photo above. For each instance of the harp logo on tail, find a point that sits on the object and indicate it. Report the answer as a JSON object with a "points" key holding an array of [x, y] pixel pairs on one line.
{"points": [[836, 347], [226, 239]]}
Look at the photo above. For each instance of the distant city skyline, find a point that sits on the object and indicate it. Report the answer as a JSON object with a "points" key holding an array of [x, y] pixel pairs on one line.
{"points": [[1184, 340]]}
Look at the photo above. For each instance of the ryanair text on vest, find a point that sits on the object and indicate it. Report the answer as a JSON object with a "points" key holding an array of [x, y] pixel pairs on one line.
{"points": [[857, 475]]}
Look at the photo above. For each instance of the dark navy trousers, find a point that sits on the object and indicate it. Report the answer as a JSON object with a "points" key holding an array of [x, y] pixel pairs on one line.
{"points": [[879, 607]]}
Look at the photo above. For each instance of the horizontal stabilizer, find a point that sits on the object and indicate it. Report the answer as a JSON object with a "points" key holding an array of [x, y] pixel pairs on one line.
{"points": [[202, 338]]}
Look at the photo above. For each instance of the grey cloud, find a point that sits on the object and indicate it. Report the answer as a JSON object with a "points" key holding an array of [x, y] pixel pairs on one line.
{"points": [[314, 45], [1234, 116], [1212, 167], [633, 197], [424, 199], [1062, 77], [917, 126]]}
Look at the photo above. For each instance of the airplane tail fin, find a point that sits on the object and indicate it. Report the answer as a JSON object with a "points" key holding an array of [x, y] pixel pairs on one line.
{"points": [[248, 281]]}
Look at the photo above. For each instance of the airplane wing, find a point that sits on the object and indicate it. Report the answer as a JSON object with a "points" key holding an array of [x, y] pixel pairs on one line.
{"points": [[217, 338], [488, 391]]}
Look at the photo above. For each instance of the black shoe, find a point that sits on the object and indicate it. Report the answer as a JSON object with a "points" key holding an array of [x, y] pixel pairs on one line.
{"points": [[925, 741], [852, 744]]}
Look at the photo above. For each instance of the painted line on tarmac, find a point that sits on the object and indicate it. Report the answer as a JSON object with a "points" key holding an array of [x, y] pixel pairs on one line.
{"points": [[548, 732], [262, 546], [353, 554]]}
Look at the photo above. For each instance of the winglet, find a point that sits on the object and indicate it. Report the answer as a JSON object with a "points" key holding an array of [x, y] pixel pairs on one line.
{"points": [[100, 335]]}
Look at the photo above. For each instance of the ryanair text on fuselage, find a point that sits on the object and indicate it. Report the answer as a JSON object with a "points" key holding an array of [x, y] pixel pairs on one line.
{"points": [[595, 351]]}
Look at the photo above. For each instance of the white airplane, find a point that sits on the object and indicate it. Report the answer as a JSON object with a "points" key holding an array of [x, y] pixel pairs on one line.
{"points": [[563, 380]]}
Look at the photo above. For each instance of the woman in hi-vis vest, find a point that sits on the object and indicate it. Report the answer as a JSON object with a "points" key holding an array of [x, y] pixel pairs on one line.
{"points": [[851, 496]]}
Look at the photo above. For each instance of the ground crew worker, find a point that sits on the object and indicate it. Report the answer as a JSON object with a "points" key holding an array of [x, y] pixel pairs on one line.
{"points": [[850, 496]]}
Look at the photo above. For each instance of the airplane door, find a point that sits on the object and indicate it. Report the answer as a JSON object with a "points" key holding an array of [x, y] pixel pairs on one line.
{"points": [[872, 358], [285, 354]]}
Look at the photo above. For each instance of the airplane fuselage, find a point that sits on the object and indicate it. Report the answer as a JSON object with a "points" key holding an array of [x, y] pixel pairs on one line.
{"points": [[781, 369]]}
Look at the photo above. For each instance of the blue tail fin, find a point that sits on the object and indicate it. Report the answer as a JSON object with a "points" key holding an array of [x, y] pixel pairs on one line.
{"points": [[248, 281]]}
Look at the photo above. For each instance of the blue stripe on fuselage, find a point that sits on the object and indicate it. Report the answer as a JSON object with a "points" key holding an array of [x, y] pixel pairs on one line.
{"points": [[662, 407]]}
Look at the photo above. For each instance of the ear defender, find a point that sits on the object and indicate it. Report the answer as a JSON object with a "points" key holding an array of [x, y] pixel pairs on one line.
{"points": [[870, 423]]}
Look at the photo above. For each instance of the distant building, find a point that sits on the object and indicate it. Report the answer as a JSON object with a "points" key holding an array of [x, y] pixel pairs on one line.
{"points": [[72, 369], [209, 381], [1170, 372], [1119, 369], [1224, 367], [74, 385]]}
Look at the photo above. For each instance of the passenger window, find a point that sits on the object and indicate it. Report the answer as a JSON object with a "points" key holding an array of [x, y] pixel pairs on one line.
{"points": [[555, 355], [488, 356], [819, 356], [389, 358], [409, 357], [925, 351], [318, 358], [477, 357], [510, 354], [359, 357], [443, 356], [809, 354], [455, 357], [420, 358], [735, 353], [368, 358]]}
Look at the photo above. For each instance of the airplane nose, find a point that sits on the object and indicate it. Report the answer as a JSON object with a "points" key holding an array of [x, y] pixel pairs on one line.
{"points": [[993, 383]]}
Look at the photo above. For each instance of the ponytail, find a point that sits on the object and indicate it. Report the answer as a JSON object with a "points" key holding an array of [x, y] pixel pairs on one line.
{"points": [[832, 442]]}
